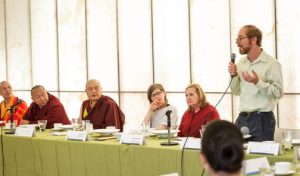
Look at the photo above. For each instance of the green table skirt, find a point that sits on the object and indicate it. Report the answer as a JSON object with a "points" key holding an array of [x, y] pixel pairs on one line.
{"points": [[47, 155]]}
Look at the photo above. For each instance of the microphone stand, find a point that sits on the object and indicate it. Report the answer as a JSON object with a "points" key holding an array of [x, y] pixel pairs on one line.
{"points": [[169, 143], [12, 126]]}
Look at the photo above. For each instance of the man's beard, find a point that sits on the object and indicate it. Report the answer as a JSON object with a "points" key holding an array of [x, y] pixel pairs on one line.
{"points": [[244, 50]]}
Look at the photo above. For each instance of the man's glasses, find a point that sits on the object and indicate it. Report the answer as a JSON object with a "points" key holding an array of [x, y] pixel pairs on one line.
{"points": [[240, 38]]}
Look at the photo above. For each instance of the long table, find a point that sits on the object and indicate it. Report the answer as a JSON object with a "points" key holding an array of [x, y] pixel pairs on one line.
{"points": [[47, 155]]}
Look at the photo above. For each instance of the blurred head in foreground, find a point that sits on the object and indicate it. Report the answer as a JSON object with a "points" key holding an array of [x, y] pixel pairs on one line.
{"points": [[222, 149]]}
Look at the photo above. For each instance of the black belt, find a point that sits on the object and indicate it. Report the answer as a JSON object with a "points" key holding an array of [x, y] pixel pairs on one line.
{"points": [[248, 114]]}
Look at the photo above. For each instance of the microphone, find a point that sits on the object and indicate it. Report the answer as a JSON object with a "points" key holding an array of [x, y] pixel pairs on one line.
{"points": [[245, 131], [14, 105], [168, 114], [232, 57], [12, 125]]}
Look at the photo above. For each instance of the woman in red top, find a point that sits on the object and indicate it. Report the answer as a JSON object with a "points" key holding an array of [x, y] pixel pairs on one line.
{"points": [[199, 112]]}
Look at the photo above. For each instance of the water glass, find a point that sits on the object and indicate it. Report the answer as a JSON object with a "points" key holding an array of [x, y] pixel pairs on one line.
{"points": [[202, 130], [266, 171], [57, 125], [11, 126], [297, 159], [287, 139], [42, 124], [87, 126], [77, 124], [146, 128]]}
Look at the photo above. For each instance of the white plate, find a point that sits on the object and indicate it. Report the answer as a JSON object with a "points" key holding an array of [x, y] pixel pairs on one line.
{"points": [[164, 133], [59, 133], [295, 141], [57, 129], [29, 125], [106, 132], [285, 173], [247, 136]]}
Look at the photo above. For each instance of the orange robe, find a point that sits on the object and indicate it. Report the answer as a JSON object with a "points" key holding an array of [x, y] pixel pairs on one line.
{"points": [[18, 111]]}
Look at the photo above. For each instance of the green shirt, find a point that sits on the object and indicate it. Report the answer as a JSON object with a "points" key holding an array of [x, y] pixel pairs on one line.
{"points": [[264, 95]]}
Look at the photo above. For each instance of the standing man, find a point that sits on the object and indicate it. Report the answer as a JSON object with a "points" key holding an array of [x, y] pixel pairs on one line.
{"points": [[11, 104], [45, 107], [101, 110], [257, 79]]}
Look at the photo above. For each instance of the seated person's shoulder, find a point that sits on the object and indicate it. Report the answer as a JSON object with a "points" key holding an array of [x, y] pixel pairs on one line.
{"points": [[108, 100]]}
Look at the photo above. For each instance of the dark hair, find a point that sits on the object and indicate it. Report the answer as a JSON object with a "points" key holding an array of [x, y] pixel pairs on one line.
{"points": [[152, 87], [253, 31], [37, 87], [222, 146]]}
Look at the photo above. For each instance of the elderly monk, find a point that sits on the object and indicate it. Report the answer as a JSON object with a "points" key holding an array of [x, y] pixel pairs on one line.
{"points": [[11, 104], [101, 110], [45, 107]]}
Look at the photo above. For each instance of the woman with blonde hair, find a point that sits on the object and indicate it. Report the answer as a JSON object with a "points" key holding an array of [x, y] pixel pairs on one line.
{"points": [[199, 112]]}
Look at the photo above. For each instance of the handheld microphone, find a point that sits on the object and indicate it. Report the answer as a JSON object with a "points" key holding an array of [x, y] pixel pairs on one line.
{"points": [[245, 130], [232, 57]]}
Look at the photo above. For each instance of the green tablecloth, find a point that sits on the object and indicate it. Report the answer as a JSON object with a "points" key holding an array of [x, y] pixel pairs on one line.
{"points": [[47, 155]]}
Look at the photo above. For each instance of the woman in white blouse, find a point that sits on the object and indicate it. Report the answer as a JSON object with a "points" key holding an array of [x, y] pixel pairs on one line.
{"points": [[158, 107]]}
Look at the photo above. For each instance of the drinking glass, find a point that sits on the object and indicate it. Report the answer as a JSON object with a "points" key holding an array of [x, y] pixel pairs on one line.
{"points": [[146, 128], [42, 124], [77, 124], [266, 171], [87, 126], [287, 139], [297, 159], [202, 130]]}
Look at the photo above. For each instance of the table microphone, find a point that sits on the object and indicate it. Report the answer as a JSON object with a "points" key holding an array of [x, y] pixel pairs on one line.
{"points": [[169, 143], [11, 109]]}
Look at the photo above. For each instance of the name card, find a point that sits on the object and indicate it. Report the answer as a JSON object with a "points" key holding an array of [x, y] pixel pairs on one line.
{"points": [[252, 166], [191, 143], [138, 139], [26, 132], [271, 148], [77, 135]]}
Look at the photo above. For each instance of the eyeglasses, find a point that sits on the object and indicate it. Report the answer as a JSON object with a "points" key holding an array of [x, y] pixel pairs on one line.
{"points": [[240, 38], [155, 94]]}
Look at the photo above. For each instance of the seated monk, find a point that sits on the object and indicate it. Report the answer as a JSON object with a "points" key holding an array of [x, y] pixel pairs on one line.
{"points": [[45, 107], [101, 110], [10, 104]]}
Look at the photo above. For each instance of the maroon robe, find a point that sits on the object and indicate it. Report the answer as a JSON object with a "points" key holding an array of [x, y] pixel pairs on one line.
{"points": [[53, 112], [104, 113]]}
